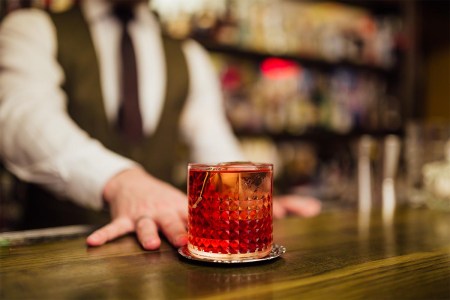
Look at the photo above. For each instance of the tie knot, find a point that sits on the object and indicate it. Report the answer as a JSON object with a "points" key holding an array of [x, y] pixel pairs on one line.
{"points": [[123, 12]]}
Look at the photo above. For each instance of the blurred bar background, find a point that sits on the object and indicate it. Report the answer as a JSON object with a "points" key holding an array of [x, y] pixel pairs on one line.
{"points": [[306, 82]]}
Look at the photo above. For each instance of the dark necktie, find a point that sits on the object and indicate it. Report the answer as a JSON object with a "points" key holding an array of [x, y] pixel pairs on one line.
{"points": [[129, 116]]}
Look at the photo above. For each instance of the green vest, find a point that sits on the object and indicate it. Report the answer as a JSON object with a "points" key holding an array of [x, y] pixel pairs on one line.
{"points": [[77, 56], [156, 153]]}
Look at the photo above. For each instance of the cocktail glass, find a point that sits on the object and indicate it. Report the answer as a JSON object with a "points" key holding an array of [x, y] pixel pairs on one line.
{"points": [[230, 210]]}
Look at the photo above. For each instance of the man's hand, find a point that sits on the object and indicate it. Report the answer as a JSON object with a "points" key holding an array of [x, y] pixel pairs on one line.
{"points": [[143, 204], [296, 205]]}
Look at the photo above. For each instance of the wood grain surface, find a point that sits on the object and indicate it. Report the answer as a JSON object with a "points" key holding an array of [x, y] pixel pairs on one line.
{"points": [[337, 255]]}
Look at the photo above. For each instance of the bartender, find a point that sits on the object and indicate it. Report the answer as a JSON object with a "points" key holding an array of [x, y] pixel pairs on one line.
{"points": [[95, 103]]}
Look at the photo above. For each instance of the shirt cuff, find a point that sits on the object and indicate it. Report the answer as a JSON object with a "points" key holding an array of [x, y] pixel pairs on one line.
{"points": [[86, 181]]}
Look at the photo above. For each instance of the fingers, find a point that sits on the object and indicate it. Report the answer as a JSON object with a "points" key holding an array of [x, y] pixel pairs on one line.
{"points": [[148, 204], [301, 206], [278, 210], [184, 216], [174, 229], [147, 233], [116, 228]]}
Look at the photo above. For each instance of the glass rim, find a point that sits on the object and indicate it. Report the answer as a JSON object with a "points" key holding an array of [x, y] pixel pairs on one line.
{"points": [[231, 166]]}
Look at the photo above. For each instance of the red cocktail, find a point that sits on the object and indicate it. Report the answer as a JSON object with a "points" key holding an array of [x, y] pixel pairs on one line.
{"points": [[230, 210]]}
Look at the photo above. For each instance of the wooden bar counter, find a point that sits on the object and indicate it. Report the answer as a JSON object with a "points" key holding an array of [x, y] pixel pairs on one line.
{"points": [[337, 255]]}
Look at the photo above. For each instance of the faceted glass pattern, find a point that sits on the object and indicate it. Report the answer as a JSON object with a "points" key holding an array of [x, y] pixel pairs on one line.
{"points": [[230, 210]]}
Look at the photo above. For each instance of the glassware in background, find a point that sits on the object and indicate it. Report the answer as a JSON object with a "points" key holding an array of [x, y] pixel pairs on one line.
{"points": [[365, 174], [427, 156], [391, 156], [282, 96], [436, 178], [230, 210], [327, 31]]}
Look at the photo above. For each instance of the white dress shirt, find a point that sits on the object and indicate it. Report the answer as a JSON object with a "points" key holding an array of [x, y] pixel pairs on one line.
{"points": [[40, 143]]}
